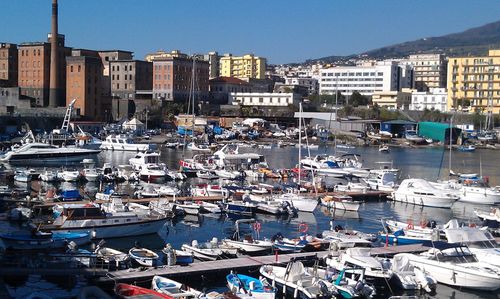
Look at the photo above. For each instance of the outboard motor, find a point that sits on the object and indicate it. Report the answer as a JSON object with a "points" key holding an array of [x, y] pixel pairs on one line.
{"points": [[433, 224]]}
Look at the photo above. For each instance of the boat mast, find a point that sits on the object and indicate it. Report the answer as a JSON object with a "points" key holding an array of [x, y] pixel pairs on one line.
{"points": [[189, 108], [451, 138], [300, 139]]}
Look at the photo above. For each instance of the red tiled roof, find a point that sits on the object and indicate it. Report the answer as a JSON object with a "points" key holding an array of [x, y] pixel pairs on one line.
{"points": [[228, 80]]}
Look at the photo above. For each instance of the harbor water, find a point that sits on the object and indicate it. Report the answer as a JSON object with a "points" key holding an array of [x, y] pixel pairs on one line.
{"points": [[431, 163]]}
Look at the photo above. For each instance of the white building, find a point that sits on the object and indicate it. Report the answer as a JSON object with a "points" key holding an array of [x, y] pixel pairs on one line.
{"points": [[311, 83], [264, 99], [435, 98], [365, 79]]}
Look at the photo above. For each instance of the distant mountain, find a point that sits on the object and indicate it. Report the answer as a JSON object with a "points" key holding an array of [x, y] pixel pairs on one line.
{"points": [[474, 41]]}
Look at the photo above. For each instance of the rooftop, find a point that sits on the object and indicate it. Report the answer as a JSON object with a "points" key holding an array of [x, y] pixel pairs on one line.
{"points": [[228, 80]]}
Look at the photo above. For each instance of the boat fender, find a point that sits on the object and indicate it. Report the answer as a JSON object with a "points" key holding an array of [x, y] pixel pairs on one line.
{"points": [[257, 226]]}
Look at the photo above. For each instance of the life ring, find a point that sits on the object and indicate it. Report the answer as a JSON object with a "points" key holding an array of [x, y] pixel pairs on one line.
{"points": [[303, 227], [423, 224], [410, 225], [257, 226], [199, 202]]}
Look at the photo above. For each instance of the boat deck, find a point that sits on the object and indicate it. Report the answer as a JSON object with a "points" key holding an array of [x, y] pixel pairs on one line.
{"points": [[358, 196]]}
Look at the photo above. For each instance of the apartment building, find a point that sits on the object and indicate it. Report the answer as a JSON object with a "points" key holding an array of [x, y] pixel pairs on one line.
{"points": [[429, 70], [434, 99], [8, 65], [474, 80], [264, 99], [246, 66]]}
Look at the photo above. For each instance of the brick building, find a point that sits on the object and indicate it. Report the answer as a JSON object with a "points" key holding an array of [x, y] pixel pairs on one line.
{"points": [[8, 65], [34, 70], [172, 79], [84, 71]]}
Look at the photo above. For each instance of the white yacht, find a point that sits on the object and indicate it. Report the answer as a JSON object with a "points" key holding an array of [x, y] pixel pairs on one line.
{"points": [[300, 202], [421, 192], [42, 153], [89, 218], [478, 191], [247, 243], [125, 143], [360, 258], [456, 265], [149, 166]]}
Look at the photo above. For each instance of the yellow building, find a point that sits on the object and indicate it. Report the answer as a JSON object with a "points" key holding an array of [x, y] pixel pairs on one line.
{"points": [[393, 99], [474, 80], [247, 66]]}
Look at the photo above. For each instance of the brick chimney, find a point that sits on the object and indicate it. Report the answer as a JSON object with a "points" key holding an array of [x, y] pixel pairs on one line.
{"points": [[54, 92]]}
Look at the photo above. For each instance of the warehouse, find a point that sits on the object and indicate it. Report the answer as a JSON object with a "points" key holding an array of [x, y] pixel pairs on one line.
{"points": [[438, 131]]}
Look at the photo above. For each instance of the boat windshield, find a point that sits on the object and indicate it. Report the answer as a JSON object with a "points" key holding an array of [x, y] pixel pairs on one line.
{"points": [[482, 245], [455, 255]]}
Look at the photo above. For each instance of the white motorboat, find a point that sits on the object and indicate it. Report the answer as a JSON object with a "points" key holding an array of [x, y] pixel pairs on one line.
{"points": [[207, 174], [383, 148], [301, 203], [89, 171], [247, 243], [245, 286], [165, 190], [342, 239], [209, 190], [204, 251], [190, 208], [295, 281], [48, 176], [125, 143], [126, 173], [42, 153], [89, 218], [174, 289], [68, 175], [163, 207], [209, 207], [202, 148], [360, 257], [412, 136], [352, 187], [479, 240], [491, 219], [478, 191], [409, 277], [22, 176], [143, 256], [341, 202], [421, 192], [152, 173], [226, 174], [455, 265], [381, 180]]}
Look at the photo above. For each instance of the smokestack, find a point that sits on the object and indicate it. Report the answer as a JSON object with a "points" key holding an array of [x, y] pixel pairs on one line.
{"points": [[54, 76]]}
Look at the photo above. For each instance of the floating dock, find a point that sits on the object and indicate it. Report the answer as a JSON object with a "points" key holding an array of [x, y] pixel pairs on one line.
{"points": [[241, 263]]}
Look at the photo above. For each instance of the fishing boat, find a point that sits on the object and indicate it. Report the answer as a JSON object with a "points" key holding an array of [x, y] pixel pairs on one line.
{"points": [[89, 218], [341, 201], [128, 291], [247, 243], [361, 258], [173, 288], [455, 265], [41, 240], [247, 285], [205, 251], [110, 255], [421, 192], [143, 256], [408, 277], [125, 143]]}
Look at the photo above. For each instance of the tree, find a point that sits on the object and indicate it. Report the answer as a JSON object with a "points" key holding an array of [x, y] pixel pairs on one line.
{"points": [[357, 99]]}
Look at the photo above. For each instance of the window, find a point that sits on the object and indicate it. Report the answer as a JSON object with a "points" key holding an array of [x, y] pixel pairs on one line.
{"points": [[130, 68], [125, 85], [79, 68], [261, 100], [125, 70], [130, 77], [71, 69]]}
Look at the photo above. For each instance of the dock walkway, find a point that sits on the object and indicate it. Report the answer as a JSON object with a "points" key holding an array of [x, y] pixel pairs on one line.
{"points": [[241, 263]]}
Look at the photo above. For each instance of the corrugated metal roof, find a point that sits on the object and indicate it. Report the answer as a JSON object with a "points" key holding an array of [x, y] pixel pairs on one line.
{"points": [[399, 122]]}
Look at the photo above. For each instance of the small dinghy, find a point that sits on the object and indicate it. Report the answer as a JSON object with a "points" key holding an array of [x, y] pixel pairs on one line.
{"points": [[173, 288], [189, 208], [245, 285], [209, 207], [42, 240], [110, 255], [204, 251], [123, 290], [143, 256], [177, 257]]}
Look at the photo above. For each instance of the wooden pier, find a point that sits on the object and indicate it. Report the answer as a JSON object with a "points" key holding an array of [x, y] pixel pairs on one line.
{"points": [[241, 263]]}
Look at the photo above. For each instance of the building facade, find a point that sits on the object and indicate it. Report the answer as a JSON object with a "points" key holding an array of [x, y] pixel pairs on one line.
{"points": [[221, 87], [429, 70], [8, 65], [475, 81], [311, 83], [172, 79], [393, 99], [264, 99], [34, 70], [165, 55], [83, 83], [434, 99], [246, 66], [213, 59], [365, 79], [130, 76]]}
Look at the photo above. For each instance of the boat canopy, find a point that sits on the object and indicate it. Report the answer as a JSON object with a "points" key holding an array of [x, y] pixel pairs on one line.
{"points": [[466, 235]]}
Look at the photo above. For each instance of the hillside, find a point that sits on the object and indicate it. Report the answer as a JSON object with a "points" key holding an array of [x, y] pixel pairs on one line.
{"points": [[474, 41]]}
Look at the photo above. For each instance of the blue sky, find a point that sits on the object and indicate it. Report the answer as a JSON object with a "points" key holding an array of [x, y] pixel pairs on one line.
{"points": [[282, 31]]}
